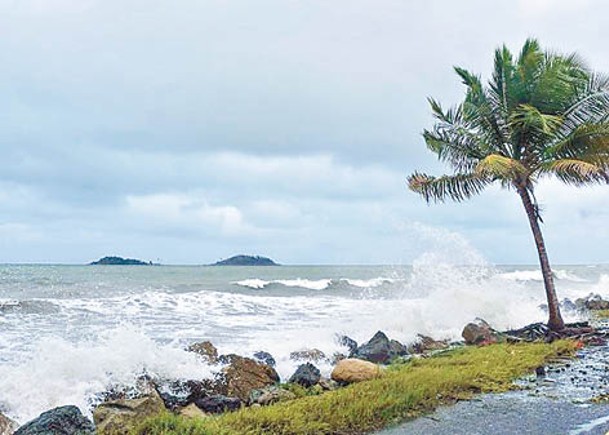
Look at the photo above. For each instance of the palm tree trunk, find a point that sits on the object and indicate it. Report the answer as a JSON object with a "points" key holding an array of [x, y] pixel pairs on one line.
{"points": [[555, 321]]}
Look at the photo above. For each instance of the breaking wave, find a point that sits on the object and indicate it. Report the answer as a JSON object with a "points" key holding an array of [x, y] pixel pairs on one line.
{"points": [[535, 275], [318, 284]]}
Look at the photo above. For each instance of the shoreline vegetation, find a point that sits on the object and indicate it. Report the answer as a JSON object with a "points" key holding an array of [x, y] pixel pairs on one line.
{"points": [[404, 391]]}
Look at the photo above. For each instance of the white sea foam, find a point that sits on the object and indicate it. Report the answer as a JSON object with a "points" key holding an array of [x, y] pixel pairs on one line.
{"points": [[368, 283], [59, 372], [535, 275], [254, 283], [311, 284], [63, 357]]}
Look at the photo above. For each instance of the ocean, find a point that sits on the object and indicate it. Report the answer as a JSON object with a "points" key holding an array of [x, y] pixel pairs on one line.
{"points": [[67, 333]]}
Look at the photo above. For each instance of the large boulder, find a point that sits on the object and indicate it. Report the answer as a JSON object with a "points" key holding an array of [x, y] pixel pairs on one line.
{"points": [[7, 426], [479, 332], [206, 350], [380, 349], [352, 370], [218, 404], [65, 420], [306, 375], [118, 416], [243, 375], [313, 355]]}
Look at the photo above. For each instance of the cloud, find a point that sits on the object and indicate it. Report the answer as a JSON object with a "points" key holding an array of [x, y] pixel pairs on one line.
{"points": [[197, 129], [191, 210]]}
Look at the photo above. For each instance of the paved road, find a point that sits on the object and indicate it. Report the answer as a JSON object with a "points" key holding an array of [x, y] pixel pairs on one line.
{"points": [[555, 404], [511, 413]]}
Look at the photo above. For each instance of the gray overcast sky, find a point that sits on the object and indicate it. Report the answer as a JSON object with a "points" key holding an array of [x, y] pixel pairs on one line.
{"points": [[187, 131]]}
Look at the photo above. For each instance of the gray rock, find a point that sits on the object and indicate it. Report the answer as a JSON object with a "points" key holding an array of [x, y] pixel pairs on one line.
{"points": [[270, 395], [348, 342], [592, 302], [120, 416], [314, 355], [218, 404], [380, 349], [306, 375], [328, 384], [64, 420], [265, 358]]}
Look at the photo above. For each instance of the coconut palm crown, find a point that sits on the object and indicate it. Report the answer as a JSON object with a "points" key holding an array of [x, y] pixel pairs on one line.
{"points": [[541, 114]]}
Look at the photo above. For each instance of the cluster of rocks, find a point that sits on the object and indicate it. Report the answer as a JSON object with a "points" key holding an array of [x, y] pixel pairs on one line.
{"points": [[254, 382], [582, 306], [242, 381]]}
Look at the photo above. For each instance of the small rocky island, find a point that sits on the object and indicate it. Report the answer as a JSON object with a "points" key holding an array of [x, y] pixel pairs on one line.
{"points": [[120, 261], [246, 260]]}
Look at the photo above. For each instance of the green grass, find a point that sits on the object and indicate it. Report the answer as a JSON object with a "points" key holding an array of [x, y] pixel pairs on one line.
{"points": [[404, 391]]}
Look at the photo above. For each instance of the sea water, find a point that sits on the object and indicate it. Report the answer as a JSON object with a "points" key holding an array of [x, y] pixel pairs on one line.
{"points": [[67, 333]]}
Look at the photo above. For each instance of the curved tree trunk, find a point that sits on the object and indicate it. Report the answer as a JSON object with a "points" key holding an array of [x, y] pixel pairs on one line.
{"points": [[555, 321]]}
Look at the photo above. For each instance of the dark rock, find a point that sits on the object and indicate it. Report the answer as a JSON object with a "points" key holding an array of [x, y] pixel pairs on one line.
{"points": [[314, 355], [206, 350], [246, 260], [397, 348], [592, 302], [179, 394], [479, 332], [540, 371], [65, 420], [348, 342], [243, 375], [306, 375], [380, 349], [120, 261], [265, 358], [218, 404], [227, 359]]}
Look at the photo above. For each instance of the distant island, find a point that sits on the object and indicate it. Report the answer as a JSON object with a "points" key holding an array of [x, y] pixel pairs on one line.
{"points": [[246, 260], [120, 261]]}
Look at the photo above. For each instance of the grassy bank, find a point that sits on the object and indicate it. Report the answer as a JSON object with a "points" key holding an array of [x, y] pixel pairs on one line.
{"points": [[405, 391]]}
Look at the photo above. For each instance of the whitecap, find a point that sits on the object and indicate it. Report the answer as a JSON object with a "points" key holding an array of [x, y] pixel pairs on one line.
{"points": [[368, 283], [254, 283]]}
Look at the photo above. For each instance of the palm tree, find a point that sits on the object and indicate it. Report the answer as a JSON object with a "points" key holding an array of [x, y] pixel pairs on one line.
{"points": [[541, 114]]}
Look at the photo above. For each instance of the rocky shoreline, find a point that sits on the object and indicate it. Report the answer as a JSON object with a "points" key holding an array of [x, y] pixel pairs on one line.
{"points": [[253, 381]]}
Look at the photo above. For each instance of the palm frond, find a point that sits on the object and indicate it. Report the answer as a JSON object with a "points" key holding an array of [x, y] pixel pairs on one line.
{"points": [[588, 142], [482, 113], [576, 172], [528, 119], [500, 167], [458, 187]]}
